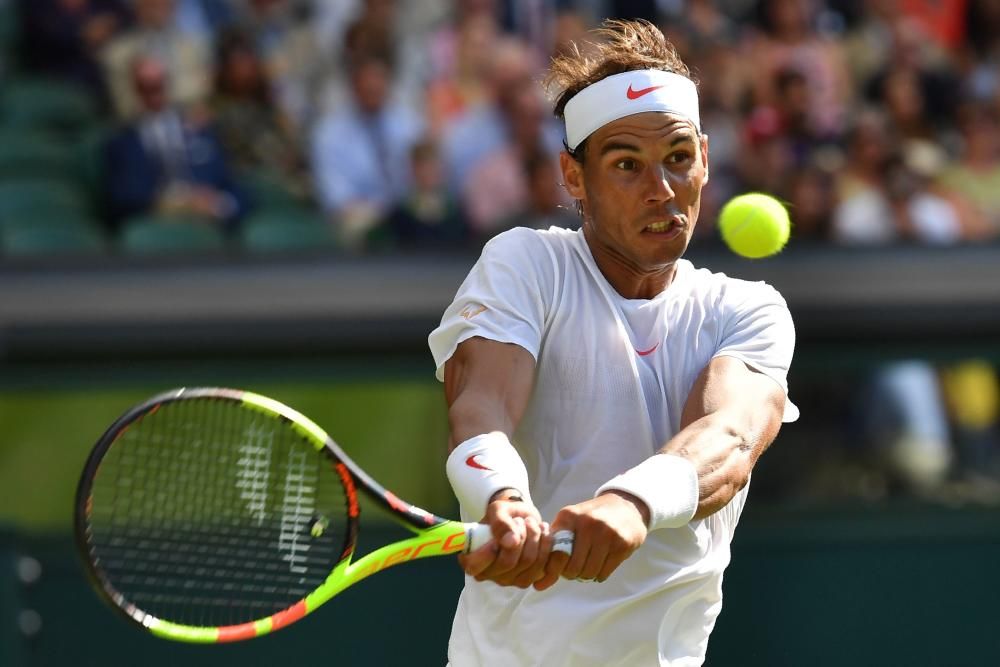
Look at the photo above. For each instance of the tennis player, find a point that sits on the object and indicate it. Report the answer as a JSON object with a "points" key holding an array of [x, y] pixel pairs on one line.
{"points": [[598, 379]]}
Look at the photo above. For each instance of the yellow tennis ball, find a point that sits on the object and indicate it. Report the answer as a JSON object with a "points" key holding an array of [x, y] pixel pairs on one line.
{"points": [[754, 225]]}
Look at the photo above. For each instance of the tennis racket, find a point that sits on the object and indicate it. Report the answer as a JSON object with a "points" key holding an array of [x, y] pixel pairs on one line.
{"points": [[215, 515]]}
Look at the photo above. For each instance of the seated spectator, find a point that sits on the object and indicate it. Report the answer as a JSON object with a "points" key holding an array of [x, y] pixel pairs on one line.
{"points": [[976, 176], [188, 61], [428, 217], [547, 204], [790, 40], [360, 153], [286, 42], [379, 28], [203, 19], [66, 37], [498, 187], [461, 60], [488, 127], [917, 85], [256, 135], [168, 161], [863, 212], [809, 193]]}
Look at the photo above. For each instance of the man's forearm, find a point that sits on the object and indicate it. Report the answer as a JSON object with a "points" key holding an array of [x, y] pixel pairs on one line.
{"points": [[723, 447]]}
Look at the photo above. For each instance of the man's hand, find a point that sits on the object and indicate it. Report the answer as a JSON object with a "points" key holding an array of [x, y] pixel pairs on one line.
{"points": [[607, 530], [520, 547]]}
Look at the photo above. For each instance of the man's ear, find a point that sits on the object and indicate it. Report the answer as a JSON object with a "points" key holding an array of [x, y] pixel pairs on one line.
{"points": [[572, 176], [704, 155]]}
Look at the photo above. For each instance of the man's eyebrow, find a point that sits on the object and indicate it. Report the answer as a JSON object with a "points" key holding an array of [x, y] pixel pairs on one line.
{"points": [[633, 148], [681, 139], [619, 146]]}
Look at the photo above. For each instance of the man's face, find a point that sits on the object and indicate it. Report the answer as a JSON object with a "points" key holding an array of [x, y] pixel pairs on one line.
{"points": [[371, 86], [640, 185]]}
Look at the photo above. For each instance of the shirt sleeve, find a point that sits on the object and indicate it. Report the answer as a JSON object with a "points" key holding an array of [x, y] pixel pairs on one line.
{"points": [[759, 331], [503, 298]]}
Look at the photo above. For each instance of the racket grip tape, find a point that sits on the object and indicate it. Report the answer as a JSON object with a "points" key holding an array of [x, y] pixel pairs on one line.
{"points": [[562, 541], [476, 535]]}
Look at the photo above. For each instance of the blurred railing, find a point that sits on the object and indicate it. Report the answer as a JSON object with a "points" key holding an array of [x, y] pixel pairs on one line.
{"points": [[934, 298]]}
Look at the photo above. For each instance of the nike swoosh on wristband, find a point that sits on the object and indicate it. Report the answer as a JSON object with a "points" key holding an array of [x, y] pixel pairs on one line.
{"points": [[636, 94], [643, 353], [473, 463]]}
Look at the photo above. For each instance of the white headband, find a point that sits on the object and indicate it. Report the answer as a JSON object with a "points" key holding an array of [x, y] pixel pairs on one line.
{"points": [[626, 94]]}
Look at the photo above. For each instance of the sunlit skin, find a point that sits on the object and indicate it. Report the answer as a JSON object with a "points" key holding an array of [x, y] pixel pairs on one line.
{"points": [[638, 171]]}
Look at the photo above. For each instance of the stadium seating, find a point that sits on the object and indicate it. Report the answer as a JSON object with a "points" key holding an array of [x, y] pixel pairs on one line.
{"points": [[280, 230], [76, 238], [46, 104], [27, 199], [164, 235]]}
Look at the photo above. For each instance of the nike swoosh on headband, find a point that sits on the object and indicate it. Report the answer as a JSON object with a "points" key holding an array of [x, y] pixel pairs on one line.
{"points": [[636, 94]]}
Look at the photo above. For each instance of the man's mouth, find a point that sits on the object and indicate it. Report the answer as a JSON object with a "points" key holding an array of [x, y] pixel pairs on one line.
{"points": [[664, 226]]}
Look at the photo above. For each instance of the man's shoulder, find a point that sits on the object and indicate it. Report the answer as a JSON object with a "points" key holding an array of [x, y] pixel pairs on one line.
{"points": [[728, 292], [534, 244]]}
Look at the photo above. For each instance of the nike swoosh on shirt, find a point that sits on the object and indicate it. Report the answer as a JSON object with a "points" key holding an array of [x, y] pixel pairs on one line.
{"points": [[473, 463], [636, 94], [643, 353]]}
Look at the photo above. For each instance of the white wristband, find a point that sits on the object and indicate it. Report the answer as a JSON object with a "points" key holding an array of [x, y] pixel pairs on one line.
{"points": [[483, 465], [668, 484]]}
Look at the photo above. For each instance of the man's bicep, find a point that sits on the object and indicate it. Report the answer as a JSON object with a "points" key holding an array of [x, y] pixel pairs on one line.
{"points": [[728, 385], [487, 385]]}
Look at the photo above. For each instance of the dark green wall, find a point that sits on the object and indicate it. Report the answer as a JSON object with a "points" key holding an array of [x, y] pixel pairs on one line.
{"points": [[904, 586]]}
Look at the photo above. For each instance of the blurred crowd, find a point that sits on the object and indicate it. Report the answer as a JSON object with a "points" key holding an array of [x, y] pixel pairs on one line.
{"points": [[423, 123], [384, 125]]}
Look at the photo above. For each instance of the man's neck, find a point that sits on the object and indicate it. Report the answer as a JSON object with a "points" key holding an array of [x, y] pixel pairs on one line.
{"points": [[628, 280]]}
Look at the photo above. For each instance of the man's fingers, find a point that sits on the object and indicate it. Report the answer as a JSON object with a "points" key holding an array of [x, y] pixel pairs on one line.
{"points": [[581, 551], [532, 558], [595, 562], [537, 569], [511, 545], [477, 561], [610, 565], [553, 570]]}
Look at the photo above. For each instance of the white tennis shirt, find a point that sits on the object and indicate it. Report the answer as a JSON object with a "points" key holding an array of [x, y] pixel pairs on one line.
{"points": [[611, 379]]}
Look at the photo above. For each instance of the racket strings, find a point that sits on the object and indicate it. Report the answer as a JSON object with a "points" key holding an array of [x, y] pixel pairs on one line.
{"points": [[206, 513]]}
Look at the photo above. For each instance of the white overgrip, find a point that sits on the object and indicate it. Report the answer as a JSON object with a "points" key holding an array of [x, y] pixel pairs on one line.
{"points": [[476, 535]]}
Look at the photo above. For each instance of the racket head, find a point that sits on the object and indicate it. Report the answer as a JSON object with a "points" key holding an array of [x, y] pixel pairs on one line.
{"points": [[214, 514]]}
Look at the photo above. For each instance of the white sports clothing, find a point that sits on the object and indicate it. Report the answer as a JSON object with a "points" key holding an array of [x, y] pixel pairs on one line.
{"points": [[611, 379]]}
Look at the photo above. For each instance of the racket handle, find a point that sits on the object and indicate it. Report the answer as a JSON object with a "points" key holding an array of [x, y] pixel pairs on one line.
{"points": [[476, 535]]}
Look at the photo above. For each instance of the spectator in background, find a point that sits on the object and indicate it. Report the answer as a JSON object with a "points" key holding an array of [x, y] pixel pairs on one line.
{"points": [[66, 36], [767, 159], [917, 85], [203, 19], [976, 176], [486, 128], [498, 186], [378, 30], [460, 57], [981, 54], [360, 153], [547, 205], [284, 39], [428, 217], [188, 60], [809, 194], [790, 41], [167, 161], [863, 212], [257, 136]]}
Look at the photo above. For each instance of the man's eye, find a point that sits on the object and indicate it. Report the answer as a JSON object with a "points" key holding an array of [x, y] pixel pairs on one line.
{"points": [[627, 164], [679, 157]]}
